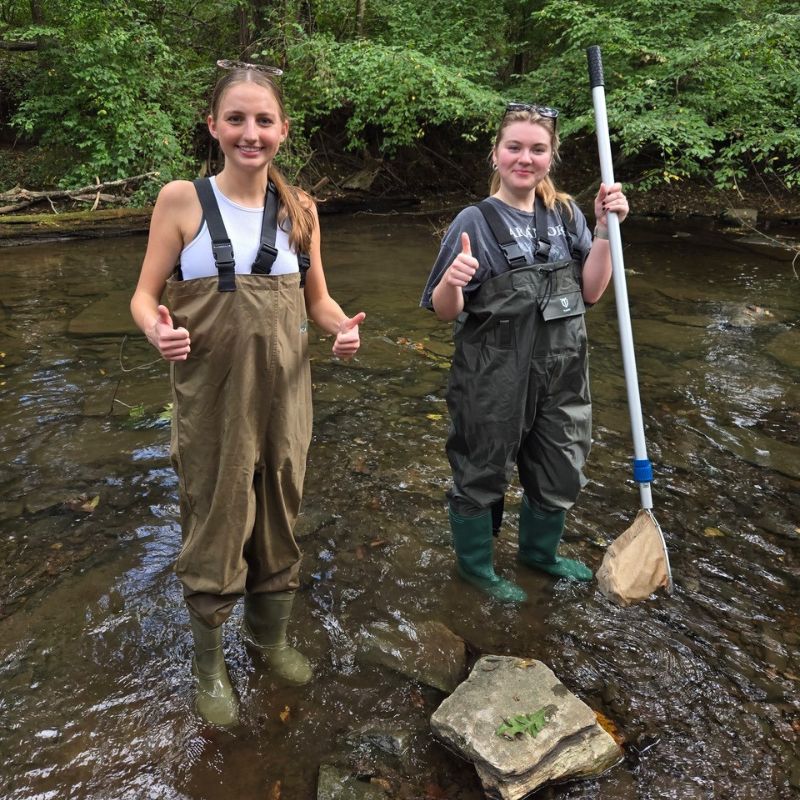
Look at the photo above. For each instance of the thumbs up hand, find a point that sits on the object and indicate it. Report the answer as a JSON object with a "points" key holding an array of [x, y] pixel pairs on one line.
{"points": [[464, 266], [173, 343], [347, 340]]}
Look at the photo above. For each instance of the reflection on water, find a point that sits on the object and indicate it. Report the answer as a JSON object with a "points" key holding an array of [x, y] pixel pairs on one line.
{"points": [[94, 642]]}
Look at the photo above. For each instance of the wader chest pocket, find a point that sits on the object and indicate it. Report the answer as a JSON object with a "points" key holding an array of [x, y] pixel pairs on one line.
{"points": [[505, 334], [560, 305]]}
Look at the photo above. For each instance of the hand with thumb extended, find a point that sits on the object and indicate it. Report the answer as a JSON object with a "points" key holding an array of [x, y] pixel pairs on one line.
{"points": [[347, 340], [464, 266], [173, 343]]}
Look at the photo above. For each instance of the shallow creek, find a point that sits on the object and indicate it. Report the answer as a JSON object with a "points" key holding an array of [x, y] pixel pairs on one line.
{"points": [[94, 644]]}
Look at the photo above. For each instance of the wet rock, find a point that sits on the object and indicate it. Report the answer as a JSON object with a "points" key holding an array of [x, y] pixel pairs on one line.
{"points": [[739, 217], [748, 317], [690, 321], [383, 736], [429, 653], [336, 783], [785, 348], [665, 336], [109, 316], [570, 745]]}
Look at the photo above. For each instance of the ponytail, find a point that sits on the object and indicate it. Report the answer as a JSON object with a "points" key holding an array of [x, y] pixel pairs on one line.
{"points": [[296, 207]]}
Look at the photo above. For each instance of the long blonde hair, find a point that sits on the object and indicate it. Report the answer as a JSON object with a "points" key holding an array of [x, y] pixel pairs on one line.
{"points": [[546, 188], [295, 205]]}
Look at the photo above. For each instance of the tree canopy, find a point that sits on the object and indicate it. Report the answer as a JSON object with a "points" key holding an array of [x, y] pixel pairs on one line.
{"points": [[703, 89]]}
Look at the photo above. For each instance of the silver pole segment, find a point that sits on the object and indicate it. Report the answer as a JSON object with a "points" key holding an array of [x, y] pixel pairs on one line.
{"points": [[621, 293]]}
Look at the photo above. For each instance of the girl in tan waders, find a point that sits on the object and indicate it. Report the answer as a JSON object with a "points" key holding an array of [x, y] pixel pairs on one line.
{"points": [[249, 274], [516, 272]]}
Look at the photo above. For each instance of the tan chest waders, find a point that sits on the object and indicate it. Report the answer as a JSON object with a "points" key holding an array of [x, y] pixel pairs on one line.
{"points": [[241, 423]]}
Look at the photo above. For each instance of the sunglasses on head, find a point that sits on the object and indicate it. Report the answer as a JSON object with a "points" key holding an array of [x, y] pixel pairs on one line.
{"points": [[542, 111], [225, 63]]}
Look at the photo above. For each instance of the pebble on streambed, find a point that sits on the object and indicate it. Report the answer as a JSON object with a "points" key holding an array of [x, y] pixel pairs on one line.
{"points": [[571, 744]]}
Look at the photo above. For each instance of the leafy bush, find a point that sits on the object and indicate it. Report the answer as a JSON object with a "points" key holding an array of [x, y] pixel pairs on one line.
{"points": [[703, 87], [100, 102], [700, 89]]}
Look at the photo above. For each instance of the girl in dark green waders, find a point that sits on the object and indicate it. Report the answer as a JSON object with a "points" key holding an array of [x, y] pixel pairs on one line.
{"points": [[235, 331], [516, 272]]}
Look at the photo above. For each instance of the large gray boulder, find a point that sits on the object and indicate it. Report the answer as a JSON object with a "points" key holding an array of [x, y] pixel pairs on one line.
{"points": [[571, 744]]}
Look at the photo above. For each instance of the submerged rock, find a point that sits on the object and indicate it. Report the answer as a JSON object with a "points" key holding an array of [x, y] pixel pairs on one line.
{"points": [[570, 744], [429, 653], [740, 217], [384, 736], [336, 783], [109, 316]]}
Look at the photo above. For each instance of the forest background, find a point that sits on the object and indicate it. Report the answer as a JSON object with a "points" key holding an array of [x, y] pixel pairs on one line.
{"points": [[701, 93]]}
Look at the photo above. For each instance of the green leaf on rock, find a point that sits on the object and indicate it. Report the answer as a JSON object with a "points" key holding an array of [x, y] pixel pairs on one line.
{"points": [[520, 724]]}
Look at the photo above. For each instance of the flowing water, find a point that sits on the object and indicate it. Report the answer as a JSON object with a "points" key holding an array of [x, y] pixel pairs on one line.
{"points": [[94, 645]]}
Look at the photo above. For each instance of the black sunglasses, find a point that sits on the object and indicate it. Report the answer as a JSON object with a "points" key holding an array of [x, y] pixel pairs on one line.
{"points": [[225, 63], [542, 111]]}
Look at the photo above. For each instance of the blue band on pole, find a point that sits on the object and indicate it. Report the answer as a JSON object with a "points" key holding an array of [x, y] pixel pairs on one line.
{"points": [[642, 470]]}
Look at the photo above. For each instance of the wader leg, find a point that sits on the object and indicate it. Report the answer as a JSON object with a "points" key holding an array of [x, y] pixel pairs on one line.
{"points": [[474, 545], [540, 533], [215, 702], [266, 617]]}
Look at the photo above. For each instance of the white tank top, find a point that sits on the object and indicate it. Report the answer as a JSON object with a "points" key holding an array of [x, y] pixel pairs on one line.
{"points": [[244, 230]]}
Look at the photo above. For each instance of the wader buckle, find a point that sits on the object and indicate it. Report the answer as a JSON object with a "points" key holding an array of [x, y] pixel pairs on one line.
{"points": [[264, 259], [303, 263], [515, 255], [226, 266]]}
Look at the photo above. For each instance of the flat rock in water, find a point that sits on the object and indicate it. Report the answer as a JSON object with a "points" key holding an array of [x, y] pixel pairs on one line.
{"points": [[109, 316], [785, 348], [335, 783], [740, 217], [429, 653], [570, 745]]}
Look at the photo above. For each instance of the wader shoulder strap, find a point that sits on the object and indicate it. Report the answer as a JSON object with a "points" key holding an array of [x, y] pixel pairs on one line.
{"points": [[570, 226], [267, 252], [514, 254], [221, 245]]}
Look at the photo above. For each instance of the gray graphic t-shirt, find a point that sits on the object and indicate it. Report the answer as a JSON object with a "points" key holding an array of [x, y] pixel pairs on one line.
{"points": [[521, 225]]}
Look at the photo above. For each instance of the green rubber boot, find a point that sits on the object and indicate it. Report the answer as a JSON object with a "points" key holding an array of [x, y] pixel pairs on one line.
{"points": [[266, 617], [474, 545], [539, 536], [215, 702]]}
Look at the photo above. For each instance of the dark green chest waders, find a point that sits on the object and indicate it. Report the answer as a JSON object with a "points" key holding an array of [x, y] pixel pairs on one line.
{"points": [[518, 395], [241, 422]]}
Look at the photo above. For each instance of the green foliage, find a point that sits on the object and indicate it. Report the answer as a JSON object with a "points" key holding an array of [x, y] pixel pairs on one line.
{"points": [[392, 90], [705, 88], [696, 89], [100, 101], [521, 724]]}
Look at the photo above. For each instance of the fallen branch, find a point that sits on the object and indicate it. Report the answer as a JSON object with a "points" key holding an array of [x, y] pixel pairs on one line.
{"points": [[22, 198], [19, 46]]}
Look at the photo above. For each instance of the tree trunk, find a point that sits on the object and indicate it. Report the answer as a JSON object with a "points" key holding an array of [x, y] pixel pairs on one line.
{"points": [[243, 20], [37, 12], [361, 7]]}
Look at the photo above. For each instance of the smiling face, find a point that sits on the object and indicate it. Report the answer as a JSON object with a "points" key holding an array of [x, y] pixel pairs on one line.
{"points": [[249, 124], [523, 155]]}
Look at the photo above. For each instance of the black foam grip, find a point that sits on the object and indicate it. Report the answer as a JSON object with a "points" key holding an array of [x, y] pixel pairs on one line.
{"points": [[595, 66]]}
